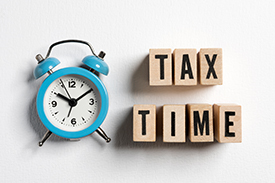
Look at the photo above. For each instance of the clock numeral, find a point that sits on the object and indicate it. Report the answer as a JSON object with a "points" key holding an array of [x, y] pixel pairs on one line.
{"points": [[54, 103], [73, 121], [92, 101], [72, 84]]}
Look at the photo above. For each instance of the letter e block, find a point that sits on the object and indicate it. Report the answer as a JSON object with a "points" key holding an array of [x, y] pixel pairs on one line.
{"points": [[174, 123], [160, 67], [144, 123], [200, 120], [185, 67], [210, 64], [228, 123]]}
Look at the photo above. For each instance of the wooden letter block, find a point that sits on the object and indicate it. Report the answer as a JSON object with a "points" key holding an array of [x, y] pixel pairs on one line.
{"points": [[144, 119], [160, 67], [174, 123], [228, 123], [185, 67], [200, 117], [210, 63]]}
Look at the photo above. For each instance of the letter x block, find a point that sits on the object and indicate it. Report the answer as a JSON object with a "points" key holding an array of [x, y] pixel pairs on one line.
{"points": [[160, 67], [144, 119], [200, 118], [228, 123], [210, 63]]}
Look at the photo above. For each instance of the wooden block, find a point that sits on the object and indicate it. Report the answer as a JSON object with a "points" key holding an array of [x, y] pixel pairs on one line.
{"points": [[200, 120], [144, 119], [228, 123], [185, 67], [174, 123], [160, 67], [210, 64]]}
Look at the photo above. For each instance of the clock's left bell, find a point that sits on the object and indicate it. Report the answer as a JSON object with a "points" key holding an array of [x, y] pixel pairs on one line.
{"points": [[44, 65]]}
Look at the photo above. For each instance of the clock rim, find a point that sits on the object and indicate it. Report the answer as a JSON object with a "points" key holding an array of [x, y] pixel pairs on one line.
{"points": [[76, 71]]}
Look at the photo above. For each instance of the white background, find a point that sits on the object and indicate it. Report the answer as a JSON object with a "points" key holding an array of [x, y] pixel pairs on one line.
{"points": [[126, 30]]}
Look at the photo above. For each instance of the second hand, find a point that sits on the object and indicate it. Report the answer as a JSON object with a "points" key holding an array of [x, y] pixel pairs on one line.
{"points": [[70, 111], [65, 89]]}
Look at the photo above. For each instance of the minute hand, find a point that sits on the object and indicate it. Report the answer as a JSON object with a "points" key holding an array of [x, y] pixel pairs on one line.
{"points": [[84, 94]]}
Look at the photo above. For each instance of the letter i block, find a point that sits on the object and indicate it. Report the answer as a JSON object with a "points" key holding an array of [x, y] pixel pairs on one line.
{"points": [[228, 123], [185, 67], [200, 118], [160, 67], [144, 119], [174, 123], [210, 63]]}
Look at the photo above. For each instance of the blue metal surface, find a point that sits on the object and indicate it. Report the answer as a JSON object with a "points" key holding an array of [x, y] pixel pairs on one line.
{"points": [[82, 72], [44, 66], [96, 64]]}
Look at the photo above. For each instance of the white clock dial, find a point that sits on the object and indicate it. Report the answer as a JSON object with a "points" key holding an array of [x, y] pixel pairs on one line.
{"points": [[73, 106]]}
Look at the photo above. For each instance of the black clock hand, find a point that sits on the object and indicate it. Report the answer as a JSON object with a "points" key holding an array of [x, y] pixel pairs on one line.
{"points": [[70, 111], [63, 97], [84, 94], [65, 89]]}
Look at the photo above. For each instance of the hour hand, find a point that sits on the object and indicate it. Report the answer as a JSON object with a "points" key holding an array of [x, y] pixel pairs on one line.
{"points": [[63, 97]]}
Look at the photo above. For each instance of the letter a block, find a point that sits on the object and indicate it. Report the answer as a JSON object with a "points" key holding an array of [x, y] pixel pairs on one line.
{"points": [[185, 67], [174, 123], [210, 63], [160, 67], [228, 123], [144, 119], [200, 118]]}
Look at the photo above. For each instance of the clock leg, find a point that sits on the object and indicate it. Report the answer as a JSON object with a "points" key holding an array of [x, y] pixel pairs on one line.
{"points": [[103, 134], [46, 136]]}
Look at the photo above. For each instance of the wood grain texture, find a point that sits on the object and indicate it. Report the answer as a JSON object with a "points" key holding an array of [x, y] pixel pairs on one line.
{"points": [[145, 133], [160, 69], [235, 123], [185, 59], [174, 123], [199, 112], [207, 57]]}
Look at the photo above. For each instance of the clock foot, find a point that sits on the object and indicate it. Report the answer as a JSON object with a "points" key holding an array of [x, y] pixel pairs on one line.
{"points": [[46, 136], [103, 135]]}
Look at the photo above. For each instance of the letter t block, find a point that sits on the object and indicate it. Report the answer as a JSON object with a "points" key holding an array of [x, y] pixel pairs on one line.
{"points": [[160, 67], [144, 119]]}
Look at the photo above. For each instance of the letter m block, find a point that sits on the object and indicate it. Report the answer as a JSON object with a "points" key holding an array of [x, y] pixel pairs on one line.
{"points": [[200, 120]]}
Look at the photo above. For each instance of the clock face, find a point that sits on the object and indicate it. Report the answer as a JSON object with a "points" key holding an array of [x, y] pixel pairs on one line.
{"points": [[72, 103]]}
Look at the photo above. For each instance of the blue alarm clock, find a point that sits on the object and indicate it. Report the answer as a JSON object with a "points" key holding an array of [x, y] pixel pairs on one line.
{"points": [[72, 102]]}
